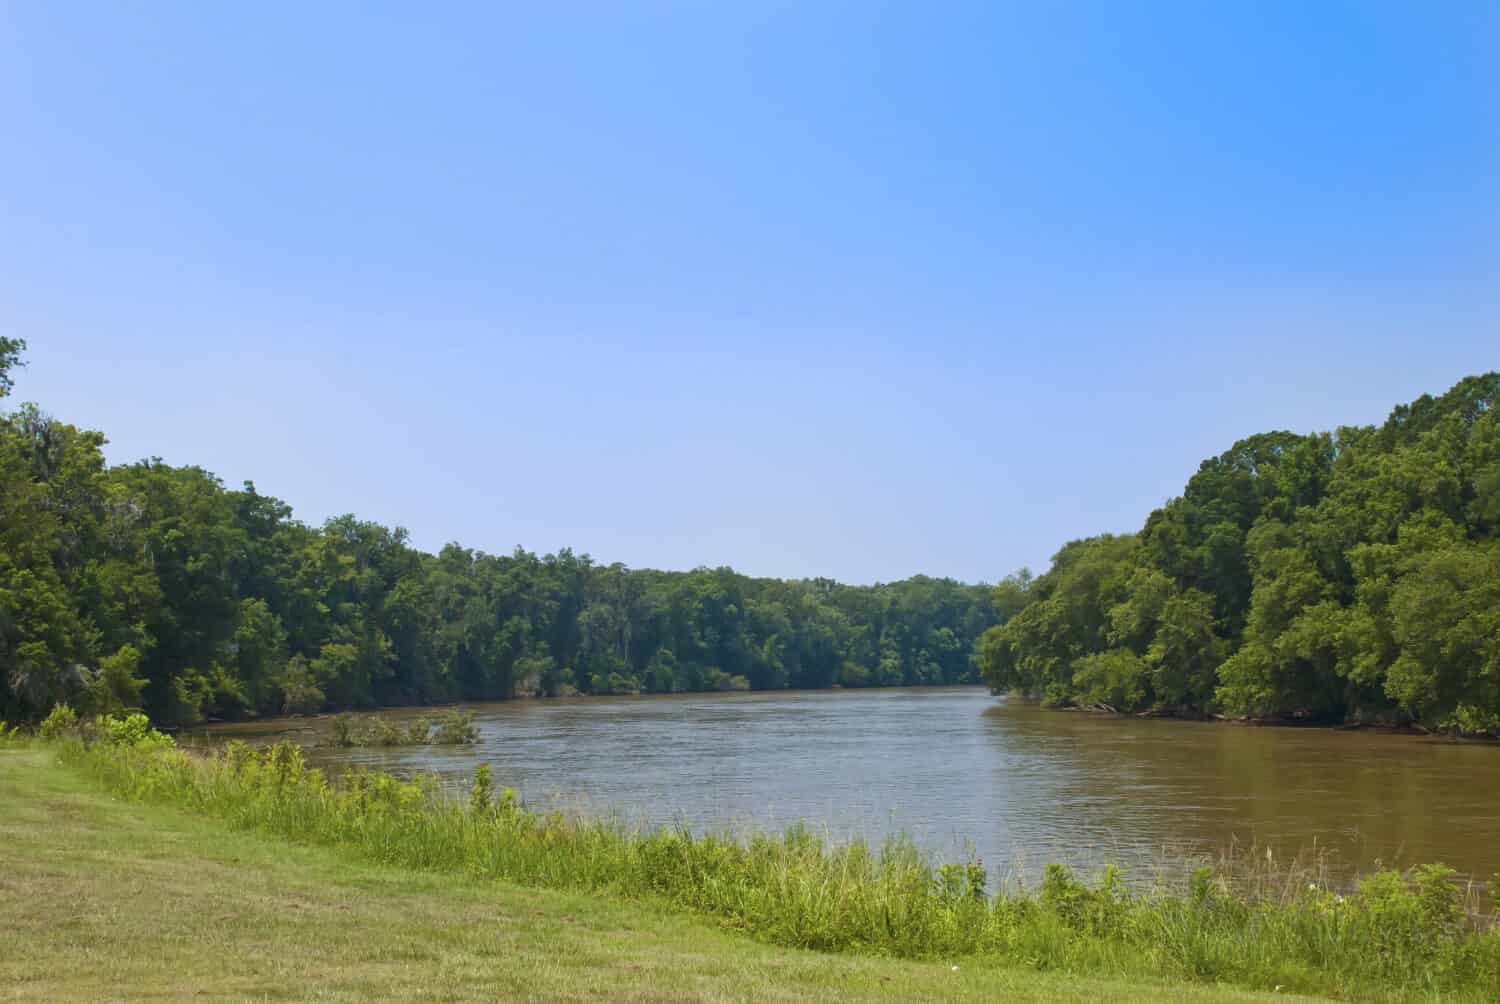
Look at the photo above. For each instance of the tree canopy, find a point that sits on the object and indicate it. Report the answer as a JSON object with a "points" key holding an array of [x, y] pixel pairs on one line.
{"points": [[1351, 576], [1345, 576], [153, 586]]}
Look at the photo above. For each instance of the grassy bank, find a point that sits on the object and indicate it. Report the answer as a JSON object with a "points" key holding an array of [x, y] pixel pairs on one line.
{"points": [[103, 899], [1397, 938]]}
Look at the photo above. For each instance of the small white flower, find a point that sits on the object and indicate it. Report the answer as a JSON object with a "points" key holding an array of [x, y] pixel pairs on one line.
{"points": [[955, 969]]}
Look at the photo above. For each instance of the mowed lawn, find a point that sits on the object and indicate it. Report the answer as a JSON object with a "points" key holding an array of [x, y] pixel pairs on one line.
{"points": [[107, 900]]}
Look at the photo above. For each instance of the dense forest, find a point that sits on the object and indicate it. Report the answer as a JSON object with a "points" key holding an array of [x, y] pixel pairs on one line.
{"points": [[1352, 576], [153, 586]]}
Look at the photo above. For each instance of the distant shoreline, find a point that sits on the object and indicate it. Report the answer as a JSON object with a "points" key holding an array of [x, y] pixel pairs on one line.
{"points": [[1384, 728]]}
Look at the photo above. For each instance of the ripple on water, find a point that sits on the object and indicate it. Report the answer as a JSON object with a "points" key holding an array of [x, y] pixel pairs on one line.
{"points": [[956, 767]]}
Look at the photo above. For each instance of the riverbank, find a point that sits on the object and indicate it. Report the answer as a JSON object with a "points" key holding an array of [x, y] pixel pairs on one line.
{"points": [[110, 900], [1276, 722], [964, 773], [1398, 938], [1097, 709]]}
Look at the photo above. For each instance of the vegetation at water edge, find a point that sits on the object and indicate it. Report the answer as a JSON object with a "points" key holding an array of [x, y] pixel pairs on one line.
{"points": [[1397, 936], [448, 728], [298, 921], [155, 587], [1351, 576]]}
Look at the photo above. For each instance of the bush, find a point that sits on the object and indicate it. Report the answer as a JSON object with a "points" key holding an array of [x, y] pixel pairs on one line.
{"points": [[417, 731], [60, 721], [452, 728], [133, 731], [380, 732], [455, 728], [341, 731]]}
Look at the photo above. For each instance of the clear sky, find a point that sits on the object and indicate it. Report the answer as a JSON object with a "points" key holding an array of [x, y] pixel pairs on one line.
{"points": [[846, 289]]}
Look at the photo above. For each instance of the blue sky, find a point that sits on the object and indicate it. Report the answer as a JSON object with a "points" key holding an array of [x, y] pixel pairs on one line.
{"points": [[859, 290]]}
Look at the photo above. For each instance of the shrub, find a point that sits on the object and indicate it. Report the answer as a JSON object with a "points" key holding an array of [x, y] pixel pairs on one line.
{"points": [[60, 721], [1437, 899], [455, 728], [341, 731], [417, 730], [132, 731], [380, 732]]}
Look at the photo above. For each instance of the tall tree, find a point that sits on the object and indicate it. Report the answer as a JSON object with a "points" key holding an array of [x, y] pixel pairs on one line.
{"points": [[1332, 576]]}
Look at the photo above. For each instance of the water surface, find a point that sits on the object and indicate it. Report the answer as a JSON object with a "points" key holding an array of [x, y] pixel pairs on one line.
{"points": [[957, 768]]}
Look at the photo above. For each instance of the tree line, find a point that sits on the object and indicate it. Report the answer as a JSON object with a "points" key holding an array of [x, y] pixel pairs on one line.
{"points": [[1351, 576], [150, 586]]}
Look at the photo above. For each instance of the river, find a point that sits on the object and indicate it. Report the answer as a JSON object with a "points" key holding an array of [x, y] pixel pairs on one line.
{"points": [[959, 769]]}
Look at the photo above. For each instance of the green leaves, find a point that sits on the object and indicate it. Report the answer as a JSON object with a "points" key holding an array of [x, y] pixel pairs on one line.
{"points": [[1118, 678], [153, 586], [115, 687], [1347, 576], [1445, 614], [10, 358]]}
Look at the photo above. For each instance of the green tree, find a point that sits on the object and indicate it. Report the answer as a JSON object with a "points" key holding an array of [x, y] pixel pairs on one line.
{"points": [[1331, 576], [10, 359]]}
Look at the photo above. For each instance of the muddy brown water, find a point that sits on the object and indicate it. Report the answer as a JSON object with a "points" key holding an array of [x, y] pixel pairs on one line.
{"points": [[961, 770]]}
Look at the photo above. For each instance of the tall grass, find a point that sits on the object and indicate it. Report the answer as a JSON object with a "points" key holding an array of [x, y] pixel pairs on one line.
{"points": [[1396, 937]]}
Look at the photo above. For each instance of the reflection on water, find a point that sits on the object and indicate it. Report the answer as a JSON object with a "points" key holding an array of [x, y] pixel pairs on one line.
{"points": [[953, 765]]}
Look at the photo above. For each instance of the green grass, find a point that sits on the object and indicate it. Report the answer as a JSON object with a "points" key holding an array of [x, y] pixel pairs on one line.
{"points": [[1397, 938], [1400, 937], [106, 899]]}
